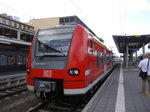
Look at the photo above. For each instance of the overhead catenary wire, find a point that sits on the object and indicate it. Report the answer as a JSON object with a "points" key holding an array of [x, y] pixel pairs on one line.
{"points": [[119, 17], [125, 14], [122, 16], [16, 10], [81, 11], [78, 8]]}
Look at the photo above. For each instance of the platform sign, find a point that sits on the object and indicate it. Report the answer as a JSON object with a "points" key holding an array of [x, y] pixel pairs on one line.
{"points": [[138, 36]]}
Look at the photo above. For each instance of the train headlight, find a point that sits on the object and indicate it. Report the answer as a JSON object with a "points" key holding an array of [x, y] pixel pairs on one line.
{"points": [[76, 71], [73, 71], [28, 70]]}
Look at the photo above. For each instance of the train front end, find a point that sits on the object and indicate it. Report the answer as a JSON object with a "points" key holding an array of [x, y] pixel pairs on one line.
{"points": [[49, 61]]}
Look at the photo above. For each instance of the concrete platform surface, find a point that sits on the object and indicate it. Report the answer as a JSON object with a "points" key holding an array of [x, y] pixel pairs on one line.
{"points": [[120, 93]]}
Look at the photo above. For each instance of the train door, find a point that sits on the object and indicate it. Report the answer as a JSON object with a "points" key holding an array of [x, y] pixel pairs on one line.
{"points": [[90, 66]]}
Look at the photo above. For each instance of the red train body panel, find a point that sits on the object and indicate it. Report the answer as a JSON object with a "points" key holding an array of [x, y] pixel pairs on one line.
{"points": [[83, 64]]}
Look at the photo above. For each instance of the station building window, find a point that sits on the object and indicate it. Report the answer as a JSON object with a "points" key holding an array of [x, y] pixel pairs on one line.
{"points": [[66, 20], [26, 27], [15, 24], [1, 30], [72, 19], [12, 23], [3, 20], [19, 60], [0, 20], [30, 28], [61, 20], [18, 25], [9, 22], [24, 60], [22, 26], [3, 60], [11, 60]]}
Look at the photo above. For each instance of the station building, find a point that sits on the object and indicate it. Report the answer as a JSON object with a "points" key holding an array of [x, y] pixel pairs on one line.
{"points": [[51, 22], [15, 40]]}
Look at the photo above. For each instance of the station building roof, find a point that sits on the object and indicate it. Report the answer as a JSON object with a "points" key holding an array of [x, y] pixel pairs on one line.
{"points": [[135, 42]]}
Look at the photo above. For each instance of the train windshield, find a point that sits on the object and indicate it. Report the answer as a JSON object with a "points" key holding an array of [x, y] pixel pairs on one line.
{"points": [[54, 41]]}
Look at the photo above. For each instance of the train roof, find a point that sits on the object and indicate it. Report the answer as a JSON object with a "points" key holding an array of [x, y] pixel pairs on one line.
{"points": [[74, 25]]}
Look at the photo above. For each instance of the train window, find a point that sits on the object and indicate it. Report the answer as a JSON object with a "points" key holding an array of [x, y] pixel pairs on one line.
{"points": [[3, 60], [108, 59], [101, 58], [98, 58], [54, 41], [91, 47], [104, 58]]}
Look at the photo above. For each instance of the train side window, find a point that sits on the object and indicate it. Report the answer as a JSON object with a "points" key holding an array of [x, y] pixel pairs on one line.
{"points": [[91, 47], [98, 58], [101, 59], [111, 58], [108, 59], [104, 58]]}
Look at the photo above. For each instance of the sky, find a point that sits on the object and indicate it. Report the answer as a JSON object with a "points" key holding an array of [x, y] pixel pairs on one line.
{"points": [[104, 17]]}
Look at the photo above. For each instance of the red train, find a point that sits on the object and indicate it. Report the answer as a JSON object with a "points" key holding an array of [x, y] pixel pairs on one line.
{"points": [[67, 60]]}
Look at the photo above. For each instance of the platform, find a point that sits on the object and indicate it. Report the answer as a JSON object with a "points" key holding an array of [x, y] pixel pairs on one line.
{"points": [[13, 73], [120, 93]]}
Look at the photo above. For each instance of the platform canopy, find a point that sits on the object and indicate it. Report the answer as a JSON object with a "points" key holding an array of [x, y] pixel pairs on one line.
{"points": [[135, 42], [130, 44]]}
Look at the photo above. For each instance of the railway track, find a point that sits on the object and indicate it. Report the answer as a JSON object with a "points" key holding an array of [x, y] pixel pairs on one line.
{"points": [[12, 90], [53, 107], [63, 106], [13, 84]]}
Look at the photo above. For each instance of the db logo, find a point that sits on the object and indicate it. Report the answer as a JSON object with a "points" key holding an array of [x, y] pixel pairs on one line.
{"points": [[47, 73]]}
